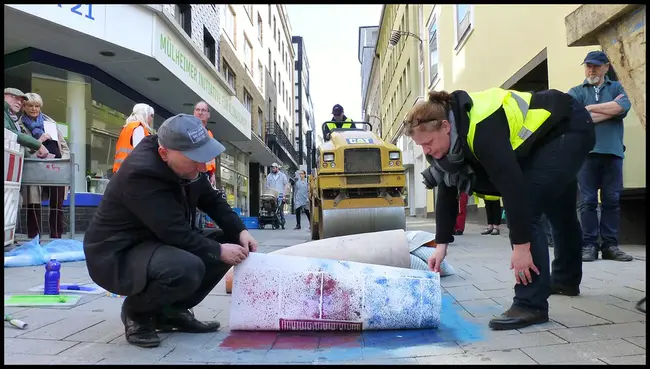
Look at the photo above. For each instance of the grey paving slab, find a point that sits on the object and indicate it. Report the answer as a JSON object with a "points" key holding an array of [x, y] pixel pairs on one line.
{"points": [[66, 327], [611, 313], [510, 357], [514, 341], [37, 347], [127, 353], [639, 341], [35, 319], [482, 307], [104, 332], [464, 293], [601, 332], [571, 317], [33, 359], [583, 352], [625, 360]]}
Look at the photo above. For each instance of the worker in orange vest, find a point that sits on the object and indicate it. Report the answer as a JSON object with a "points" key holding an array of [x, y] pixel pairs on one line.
{"points": [[202, 111], [138, 126]]}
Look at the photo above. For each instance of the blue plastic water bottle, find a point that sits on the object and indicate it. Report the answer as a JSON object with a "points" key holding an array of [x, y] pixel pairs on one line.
{"points": [[52, 277]]}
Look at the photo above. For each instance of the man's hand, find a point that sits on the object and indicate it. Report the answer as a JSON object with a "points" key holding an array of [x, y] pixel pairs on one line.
{"points": [[232, 254], [437, 257], [42, 152], [247, 241]]}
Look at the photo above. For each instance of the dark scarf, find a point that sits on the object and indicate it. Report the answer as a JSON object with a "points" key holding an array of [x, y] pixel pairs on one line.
{"points": [[452, 169]]}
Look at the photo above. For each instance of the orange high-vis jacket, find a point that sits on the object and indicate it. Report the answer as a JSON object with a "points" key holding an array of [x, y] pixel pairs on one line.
{"points": [[212, 164], [124, 144]]}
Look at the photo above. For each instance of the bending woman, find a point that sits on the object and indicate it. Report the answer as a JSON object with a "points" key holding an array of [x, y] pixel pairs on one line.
{"points": [[526, 148]]}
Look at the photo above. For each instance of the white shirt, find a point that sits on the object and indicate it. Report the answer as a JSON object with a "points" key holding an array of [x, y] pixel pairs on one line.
{"points": [[138, 135]]}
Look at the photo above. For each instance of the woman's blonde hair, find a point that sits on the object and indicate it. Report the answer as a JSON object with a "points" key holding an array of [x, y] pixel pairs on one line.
{"points": [[141, 113], [429, 113], [33, 97]]}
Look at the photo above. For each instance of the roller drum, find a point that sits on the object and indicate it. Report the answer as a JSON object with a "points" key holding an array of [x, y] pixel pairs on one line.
{"points": [[343, 222]]}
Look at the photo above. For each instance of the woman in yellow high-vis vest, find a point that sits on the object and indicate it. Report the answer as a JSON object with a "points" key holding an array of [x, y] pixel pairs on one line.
{"points": [[526, 148]]}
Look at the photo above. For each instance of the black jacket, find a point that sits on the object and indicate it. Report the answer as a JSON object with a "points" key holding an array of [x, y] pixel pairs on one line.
{"points": [[498, 168], [144, 206]]}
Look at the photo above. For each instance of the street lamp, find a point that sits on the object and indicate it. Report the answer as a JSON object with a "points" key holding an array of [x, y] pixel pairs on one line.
{"points": [[395, 36]]}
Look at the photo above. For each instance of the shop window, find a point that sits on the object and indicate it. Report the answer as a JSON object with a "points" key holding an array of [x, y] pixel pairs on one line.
{"points": [[89, 114], [183, 15], [209, 46]]}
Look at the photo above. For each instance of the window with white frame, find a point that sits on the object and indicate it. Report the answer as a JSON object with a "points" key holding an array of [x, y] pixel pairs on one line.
{"points": [[248, 101], [275, 27], [228, 74], [260, 121], [230, 18], [260, 75], [275, 73], [248, 54], [249, 11], [463, 21], [433, 50], [260, 28]]}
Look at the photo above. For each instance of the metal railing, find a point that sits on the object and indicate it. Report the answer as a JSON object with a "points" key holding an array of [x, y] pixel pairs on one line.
{"points": [[274, 132]]}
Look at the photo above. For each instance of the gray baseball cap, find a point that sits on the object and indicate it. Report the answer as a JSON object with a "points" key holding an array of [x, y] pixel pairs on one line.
{"points": [[185, 133]]}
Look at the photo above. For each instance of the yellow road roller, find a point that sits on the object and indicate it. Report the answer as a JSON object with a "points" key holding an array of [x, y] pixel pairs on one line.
{"points": [[357, 183]]}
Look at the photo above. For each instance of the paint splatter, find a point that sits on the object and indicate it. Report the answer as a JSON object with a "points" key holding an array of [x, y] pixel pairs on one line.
{"points": [[342, 297]]}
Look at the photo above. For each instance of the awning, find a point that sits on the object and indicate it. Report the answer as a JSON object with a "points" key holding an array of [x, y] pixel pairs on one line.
{"points": [[259, 152]]}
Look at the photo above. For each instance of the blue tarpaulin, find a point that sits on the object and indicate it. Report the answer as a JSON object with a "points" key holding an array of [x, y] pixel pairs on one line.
{"points": [[32, 253]]}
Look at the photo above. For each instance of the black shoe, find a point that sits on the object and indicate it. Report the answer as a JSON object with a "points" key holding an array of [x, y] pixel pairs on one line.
{"points": [[296, 228], [614, 253], [517, 317], [495, 232], [558, 289], [139, 330], [487, 231], [184, 321], [589, 253], [458, 232]]}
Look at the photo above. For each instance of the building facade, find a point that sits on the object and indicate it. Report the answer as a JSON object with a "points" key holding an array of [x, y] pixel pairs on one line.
{"points": [[366, 54], [279, 62], [241, 50], [90, 70], [400, 68], [304, 107]]}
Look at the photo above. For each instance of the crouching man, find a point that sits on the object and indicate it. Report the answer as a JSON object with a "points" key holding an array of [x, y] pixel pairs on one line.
{"points": [[142, 243]]}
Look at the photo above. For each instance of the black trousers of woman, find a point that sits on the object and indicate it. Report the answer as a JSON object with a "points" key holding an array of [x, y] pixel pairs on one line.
{"points": [[493, 211], [299, 210]]}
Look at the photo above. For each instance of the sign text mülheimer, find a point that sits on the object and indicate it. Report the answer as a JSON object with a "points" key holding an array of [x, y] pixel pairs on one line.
{"points": [[195, 74]]}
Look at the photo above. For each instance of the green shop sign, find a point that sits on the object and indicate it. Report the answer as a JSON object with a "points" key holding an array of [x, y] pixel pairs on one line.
{"points": [[187, 66]]}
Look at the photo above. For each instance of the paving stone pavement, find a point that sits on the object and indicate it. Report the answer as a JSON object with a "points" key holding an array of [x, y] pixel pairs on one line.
{"points": [[601, 326]]}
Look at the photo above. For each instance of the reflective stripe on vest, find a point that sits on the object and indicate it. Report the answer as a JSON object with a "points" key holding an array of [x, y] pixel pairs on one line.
{"points": [[345, 125], [124, 146], [522, 120], [487, 197]]}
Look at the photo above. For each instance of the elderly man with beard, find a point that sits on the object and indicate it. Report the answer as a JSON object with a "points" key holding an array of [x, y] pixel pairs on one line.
{"points": [[607, 104]]}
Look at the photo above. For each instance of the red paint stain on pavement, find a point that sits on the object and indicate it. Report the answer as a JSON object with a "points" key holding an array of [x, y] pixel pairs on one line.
{"points": [[341, 340], [249, 340], [296, 343]]}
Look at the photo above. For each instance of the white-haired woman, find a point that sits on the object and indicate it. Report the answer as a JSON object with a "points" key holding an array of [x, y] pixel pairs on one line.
{"points": [[34, 122], [137, 127]]}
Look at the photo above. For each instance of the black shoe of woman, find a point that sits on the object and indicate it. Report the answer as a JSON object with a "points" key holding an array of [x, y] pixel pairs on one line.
{"points": [[487, 231]]}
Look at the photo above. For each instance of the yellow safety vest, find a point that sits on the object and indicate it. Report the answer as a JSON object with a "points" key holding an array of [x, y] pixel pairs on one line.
{"points": [[487, 197], [523, 121], [332, 125]]}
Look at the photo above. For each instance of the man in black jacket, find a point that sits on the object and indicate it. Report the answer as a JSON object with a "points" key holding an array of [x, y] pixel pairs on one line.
{"points": [[142, 243]]}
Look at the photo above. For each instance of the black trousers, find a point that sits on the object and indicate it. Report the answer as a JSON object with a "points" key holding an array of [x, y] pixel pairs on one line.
{"points": [[493, 211], [551, 180], [178, 279], [299, 212]]}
